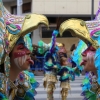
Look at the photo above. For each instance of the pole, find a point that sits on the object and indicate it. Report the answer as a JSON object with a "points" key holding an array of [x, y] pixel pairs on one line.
{"points": [[92, 9], [19, 7]]}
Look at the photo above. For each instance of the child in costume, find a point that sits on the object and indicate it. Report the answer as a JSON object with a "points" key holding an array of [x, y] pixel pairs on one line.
{"points": [[66, 74], [15, 82]]}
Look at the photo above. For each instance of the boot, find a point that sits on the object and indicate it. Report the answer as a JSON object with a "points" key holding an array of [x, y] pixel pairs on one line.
{"points": [[64, 98], [64, 93], [50, 96], [50, 89]]}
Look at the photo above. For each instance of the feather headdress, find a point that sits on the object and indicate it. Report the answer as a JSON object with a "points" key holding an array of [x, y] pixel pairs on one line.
{"points": [[77, 57]]}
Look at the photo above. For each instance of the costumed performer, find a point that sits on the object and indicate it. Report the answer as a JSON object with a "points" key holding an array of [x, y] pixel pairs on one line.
{"points": [[50, 67], [15, 56], [89, 32], [66, 74]]}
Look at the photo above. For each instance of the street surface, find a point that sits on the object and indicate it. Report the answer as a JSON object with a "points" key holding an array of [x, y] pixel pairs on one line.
{"points": [[74, 93]]}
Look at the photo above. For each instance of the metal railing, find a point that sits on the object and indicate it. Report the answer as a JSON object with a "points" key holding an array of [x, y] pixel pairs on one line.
{"points": [[38, 64]]}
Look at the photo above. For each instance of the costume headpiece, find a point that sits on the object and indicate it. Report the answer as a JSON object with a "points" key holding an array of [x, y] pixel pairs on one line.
{"points": [[43, 47], [78, 28], [52, 47], [28, 42], [18, 26], [59, 44]]}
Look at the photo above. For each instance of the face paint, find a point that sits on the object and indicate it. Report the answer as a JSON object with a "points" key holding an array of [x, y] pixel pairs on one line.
{"points": [[20, 61], [21, 55], [88, 59], [89, 49], [21, 51], [90, 56]]}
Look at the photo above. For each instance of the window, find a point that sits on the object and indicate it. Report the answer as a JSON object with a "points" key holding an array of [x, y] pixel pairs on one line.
{"points": [[67, 34], [14, 10], [52, 19], [26, 8], [48, 33]]}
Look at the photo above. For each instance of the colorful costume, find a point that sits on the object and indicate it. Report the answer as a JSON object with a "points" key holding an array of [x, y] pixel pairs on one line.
{"points": [[12, 33], [50, 67], [86, 87], [43, 47], [89, 32], [26, 86], [77, 57], [66, 74]]}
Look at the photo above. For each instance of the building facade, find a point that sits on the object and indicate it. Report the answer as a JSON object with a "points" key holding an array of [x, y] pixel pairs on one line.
{"points": [[54, 9]]}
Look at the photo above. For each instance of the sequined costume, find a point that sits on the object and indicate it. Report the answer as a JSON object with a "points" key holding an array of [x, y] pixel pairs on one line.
{"points": [[88, 31], [26, 85], [87, 85], [66, 74], [12, 33], [51, 67]]}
